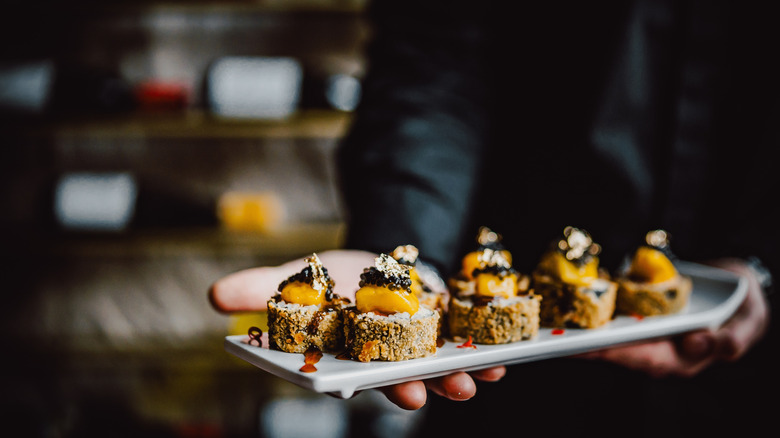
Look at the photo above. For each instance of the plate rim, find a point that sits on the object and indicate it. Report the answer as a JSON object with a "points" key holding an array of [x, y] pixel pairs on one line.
{"points": [[374, 374]]}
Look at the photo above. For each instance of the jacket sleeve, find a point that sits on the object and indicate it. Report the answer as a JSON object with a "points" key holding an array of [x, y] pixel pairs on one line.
{"points": [[409, 165]]}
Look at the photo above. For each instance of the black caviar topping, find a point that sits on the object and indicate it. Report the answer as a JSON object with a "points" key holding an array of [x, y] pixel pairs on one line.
{"points": [[495, 246], [373, 276], [406, 262], [306, 276], [493, 262], [498, 270]]}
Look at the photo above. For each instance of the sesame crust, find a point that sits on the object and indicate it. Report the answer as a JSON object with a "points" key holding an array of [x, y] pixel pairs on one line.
{"points": [[497, 322], [567, 305], [389, 338], [647, 299], [294, 328], [437, 303]]}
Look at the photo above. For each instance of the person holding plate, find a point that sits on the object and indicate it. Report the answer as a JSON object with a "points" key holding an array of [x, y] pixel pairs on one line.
{"points": [[619, 117]]}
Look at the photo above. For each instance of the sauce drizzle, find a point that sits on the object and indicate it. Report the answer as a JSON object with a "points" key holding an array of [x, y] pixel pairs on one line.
{"points": [[467, 344], [255, 334], [311, 357]]}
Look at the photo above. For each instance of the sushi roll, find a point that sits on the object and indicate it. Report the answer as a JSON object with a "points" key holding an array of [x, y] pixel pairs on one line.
{"points": [[462, 283], [575, 291], [306, 313], [423, 290], [387, 322], [495, 306], [651, 284]]}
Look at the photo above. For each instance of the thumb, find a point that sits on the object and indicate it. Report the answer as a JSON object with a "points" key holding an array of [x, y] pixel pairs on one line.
{"points": [[249, 290]]}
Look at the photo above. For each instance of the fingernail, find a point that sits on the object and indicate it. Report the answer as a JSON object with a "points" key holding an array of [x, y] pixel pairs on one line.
{"points": [[699, 346]]}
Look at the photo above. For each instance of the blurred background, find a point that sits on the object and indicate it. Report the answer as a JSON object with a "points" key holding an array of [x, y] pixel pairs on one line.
{"points": [[149, 148]]}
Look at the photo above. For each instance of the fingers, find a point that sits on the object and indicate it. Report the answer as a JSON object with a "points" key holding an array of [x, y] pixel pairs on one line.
{"points": [[407, 395], [249, 290], [656, 358], [489, 374], [697, 345], [642, 357], [742, 331], [345, 267], [690, 353], [457, 386], [750, 321]]}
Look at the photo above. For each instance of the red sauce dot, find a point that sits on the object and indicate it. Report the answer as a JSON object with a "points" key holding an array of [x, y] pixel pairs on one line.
{"points": [[558, 331], [467, 344]]}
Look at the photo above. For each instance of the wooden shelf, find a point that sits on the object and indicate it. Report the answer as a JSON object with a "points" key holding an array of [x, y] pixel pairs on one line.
{"points": [[323, 124], [123, 6], [283, 243], [353, 6]]}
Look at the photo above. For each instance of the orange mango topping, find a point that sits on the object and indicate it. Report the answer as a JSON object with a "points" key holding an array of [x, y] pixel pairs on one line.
{"points": [[651, 265], [302, 293], [570, 272], [378, 299], [489, 284]]}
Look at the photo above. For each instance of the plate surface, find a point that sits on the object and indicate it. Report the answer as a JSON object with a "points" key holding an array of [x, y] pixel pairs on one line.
{"points": [[716, 295]]}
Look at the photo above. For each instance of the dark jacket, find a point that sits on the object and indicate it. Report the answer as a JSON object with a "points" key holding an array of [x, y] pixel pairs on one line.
{"points": [[616, 117]]}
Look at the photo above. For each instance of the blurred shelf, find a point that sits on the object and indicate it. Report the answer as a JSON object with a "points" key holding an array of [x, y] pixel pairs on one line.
{"points": [[253, 5], [206, 5], [313, 124], [282, 244]]}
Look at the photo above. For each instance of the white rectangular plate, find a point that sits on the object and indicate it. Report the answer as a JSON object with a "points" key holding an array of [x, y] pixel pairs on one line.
{"points": [[716, 295]]}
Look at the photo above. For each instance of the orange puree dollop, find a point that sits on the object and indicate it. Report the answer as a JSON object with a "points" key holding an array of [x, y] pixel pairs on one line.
{"points": [[571, 272], [492, 285], [651, 266], [302, 293], [385, 288], [379, 299]]}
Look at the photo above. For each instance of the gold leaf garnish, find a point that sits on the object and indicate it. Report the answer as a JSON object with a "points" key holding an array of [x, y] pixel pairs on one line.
{"points": [[489, 257], [407, 253], [319, 281], [390, 267], [487, 236], [577, 243], [657, 238]]}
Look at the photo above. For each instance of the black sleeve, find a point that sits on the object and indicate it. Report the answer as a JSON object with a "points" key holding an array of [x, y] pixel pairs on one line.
{"points": [[408, 167]]}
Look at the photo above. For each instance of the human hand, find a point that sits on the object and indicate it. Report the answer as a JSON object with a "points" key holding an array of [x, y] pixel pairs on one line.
{"points": [[249, 290], [688, 354]]}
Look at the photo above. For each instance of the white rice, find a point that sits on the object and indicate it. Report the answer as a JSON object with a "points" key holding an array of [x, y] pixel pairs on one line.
{"points": [[423, 312], [297, 307]]}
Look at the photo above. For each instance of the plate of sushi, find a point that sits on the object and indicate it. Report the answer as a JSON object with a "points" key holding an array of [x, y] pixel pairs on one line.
{"points": [[402, 327]]}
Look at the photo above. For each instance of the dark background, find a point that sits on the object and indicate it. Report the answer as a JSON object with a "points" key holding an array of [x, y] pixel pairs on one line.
{"points": [[110, 333]]}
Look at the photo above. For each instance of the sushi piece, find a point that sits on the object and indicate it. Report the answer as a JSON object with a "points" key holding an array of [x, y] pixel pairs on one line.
{"points": [[306, 313], [387, 322], [491, 301], [407, 255], [575, 291], [462, 283], [651, 284]]}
